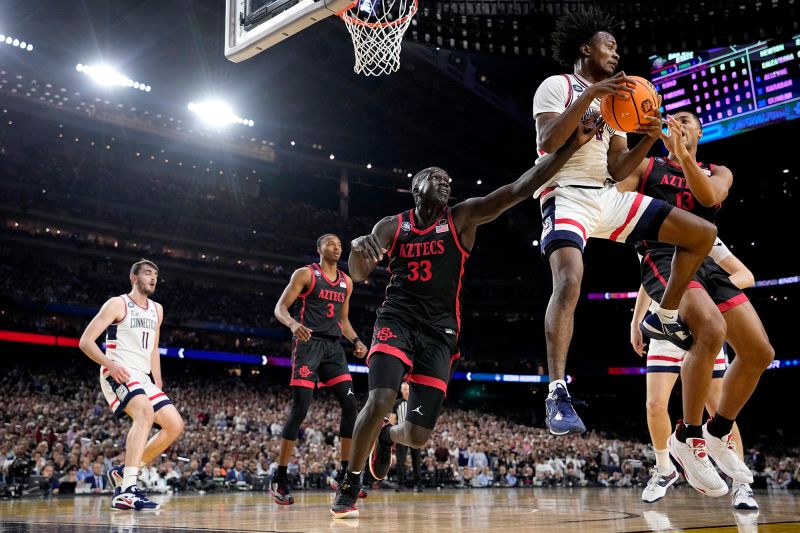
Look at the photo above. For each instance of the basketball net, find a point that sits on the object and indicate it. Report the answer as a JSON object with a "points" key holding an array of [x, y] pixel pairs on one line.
{"points": [[377, 28]]}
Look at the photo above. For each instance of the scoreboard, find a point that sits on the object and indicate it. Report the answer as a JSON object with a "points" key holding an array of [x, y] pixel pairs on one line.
{"points": [[733, 89]]}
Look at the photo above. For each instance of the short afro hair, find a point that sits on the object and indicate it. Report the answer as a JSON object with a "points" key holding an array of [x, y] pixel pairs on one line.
{"points": [[576, 29]]}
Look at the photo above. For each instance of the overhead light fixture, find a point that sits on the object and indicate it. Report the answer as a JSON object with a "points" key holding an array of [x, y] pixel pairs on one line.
{"points": [[218, 114], [108, 76]]}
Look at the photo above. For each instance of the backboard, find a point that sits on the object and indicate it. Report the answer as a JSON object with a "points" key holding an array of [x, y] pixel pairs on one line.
{"points": [[252, 26]]}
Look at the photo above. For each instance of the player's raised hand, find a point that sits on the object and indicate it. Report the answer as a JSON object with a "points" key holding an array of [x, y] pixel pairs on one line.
{"points": [[674, 138], [118, 372], [587, 129], [301, 332], [360, 350], [616, 85], [369, 246], [637, 341]]}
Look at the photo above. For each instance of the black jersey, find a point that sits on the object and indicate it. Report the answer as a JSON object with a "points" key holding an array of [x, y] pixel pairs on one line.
{"points": [[322, 301], [426, 267], [666, 181]]}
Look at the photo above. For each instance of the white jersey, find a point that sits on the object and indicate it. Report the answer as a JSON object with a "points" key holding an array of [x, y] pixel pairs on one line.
{"points": [[719, 252], [130, 341], [589, 165]]}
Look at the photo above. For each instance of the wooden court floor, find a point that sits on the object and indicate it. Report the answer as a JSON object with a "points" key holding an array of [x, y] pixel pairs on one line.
{"points": [[488, 510]]}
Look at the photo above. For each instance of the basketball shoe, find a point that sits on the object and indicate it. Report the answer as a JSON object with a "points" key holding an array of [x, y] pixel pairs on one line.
{"points": [[344, 503], [697, 467], [561, 416], [279, 487], [339, 477], [380, 459], [723, 451], [659, 483], [677, 333], [115, 476], [742, 497], [132, 499]]}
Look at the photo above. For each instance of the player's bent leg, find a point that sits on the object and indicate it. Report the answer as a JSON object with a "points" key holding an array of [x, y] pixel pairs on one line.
{"points": [[172, 425], [693, 238], [659, 387], [687, 445], [129, 496]]}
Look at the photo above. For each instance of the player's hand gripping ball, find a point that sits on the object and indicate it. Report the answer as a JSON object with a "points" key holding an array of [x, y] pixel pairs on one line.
{"points": [[626, 114]]}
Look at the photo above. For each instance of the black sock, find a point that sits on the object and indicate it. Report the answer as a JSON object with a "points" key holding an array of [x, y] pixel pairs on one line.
{"points": [[687, 431], [384, 437], [344, 465], [354, 479], [719, 426], [281, 472]]}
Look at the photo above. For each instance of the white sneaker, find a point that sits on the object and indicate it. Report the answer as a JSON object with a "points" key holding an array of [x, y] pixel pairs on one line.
{"points": [[657, 486], [723, 451], [743, 497], [697, 467]]}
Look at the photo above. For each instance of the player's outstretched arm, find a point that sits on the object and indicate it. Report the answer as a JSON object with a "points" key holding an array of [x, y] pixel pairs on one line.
{"points": [[740, 275], [476, 211], [368, 250], [112, 311], [300, 281]]}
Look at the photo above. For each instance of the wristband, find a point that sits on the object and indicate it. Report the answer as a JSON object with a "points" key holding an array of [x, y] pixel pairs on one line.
{"points": [[355, 341]]}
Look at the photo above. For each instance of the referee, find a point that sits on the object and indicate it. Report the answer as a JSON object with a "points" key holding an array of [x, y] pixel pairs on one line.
{"points": [[398, 415]]}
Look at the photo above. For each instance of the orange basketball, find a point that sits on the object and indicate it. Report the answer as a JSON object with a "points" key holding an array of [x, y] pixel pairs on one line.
{"points": [[626, 115]]}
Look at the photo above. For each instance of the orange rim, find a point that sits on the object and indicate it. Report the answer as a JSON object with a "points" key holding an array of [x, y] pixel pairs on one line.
{"points": [[358, 22]]}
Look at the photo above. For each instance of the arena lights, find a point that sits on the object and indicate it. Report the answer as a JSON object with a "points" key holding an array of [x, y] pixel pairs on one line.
{"points": [[108, 76], [218, 114], [13, 41]]}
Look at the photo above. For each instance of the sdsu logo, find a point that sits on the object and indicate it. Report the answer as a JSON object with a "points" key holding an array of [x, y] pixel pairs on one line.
{"points": [[384, 334], [406, 226], [304, 371]]}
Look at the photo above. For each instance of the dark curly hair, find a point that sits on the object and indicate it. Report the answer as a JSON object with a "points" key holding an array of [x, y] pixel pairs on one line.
{"points": [[576, 29]]}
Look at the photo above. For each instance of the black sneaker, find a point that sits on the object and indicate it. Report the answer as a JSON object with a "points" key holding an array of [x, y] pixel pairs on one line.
{"points": [[338, 479], [344, 504], [677, 333], [381, 457], [280, 491]]}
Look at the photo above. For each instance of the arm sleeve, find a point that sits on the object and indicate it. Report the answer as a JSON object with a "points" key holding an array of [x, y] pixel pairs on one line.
{"points": [[552, 96], [719, 252]]}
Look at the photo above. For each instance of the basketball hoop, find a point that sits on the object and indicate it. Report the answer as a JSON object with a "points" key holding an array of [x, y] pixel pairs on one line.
{"points": [[377, 28]]}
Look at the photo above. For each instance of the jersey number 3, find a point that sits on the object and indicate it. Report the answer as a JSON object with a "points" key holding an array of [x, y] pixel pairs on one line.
{"points": [[419, 270], [329, 314]]}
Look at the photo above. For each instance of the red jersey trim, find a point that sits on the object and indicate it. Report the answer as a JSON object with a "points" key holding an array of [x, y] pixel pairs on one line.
{"points": [[332, 283], [310, 287], [428, 381], [737, 300], [389, 350], [159, 395], [569, 90], [429, 228], [631, 213], [654, 268], [646, 174], [454, 231], [334, 381], [301, 383], [396, 234]]}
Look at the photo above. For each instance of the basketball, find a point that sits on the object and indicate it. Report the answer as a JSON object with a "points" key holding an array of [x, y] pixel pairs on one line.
{"points": [[627, 114]]}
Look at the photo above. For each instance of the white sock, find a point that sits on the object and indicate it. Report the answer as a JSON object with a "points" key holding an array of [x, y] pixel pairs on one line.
{"points": [[667, 316], [553, 384], [663, 464], [130, 473]]}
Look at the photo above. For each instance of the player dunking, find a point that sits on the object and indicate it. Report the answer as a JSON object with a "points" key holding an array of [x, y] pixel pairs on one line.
{"points": [[581, 201], [720, 311], [132, 323], [318, 358], [418, 324], [663, 367]]}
